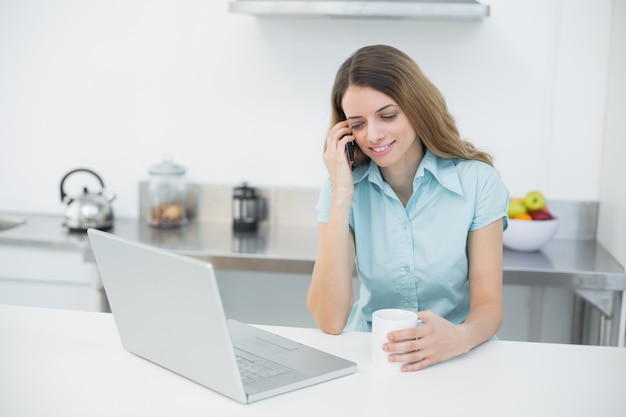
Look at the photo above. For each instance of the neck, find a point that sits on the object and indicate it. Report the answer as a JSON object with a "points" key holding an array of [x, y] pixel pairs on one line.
{"points": [[400, 175]]}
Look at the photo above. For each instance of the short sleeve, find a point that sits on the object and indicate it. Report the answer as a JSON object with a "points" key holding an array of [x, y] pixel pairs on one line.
{"points": [[492, 199]]}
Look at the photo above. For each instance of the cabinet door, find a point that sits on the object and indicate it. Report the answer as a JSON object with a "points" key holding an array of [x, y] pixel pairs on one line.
{"points": [[48, 277]]}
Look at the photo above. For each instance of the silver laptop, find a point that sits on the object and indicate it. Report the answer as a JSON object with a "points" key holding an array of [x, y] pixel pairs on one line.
{"points": [[168, 310]]}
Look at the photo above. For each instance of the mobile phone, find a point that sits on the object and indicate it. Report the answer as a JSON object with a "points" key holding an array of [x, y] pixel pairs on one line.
{"points": [[350, 152]]}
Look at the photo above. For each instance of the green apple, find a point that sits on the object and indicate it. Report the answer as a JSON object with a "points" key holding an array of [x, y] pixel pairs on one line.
{"points": [[534, 201], [516, 207]]}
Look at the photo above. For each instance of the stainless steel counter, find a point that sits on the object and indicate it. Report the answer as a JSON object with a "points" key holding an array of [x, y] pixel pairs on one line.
{"points": [[282, 248], [582, 265]]}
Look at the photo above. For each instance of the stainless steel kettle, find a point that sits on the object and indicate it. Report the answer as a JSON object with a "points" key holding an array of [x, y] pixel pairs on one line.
{"points": [[88, 209]]}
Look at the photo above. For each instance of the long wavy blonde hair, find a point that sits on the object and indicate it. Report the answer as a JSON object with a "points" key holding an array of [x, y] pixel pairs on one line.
{"points": [[395, 74]]}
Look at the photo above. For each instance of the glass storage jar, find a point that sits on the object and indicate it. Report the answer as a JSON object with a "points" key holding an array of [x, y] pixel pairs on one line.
{"points": [[167, 194]]}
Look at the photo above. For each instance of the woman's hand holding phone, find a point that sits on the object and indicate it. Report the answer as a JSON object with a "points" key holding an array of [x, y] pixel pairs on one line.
{"points": [[338, 156]]}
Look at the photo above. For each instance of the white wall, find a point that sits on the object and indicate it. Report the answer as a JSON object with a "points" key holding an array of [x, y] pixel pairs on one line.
{"points": [[612, 219], [112, 85]]}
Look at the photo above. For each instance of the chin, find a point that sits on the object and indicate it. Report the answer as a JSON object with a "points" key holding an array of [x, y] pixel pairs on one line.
{"points": [[382, 162]]}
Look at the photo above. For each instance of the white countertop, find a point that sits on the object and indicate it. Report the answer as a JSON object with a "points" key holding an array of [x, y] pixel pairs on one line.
{"points": [[62, 363]]}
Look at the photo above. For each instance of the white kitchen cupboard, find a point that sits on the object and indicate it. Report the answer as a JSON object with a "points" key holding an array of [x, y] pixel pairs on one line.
{"points": [[49, 277], [267, 297], [533, 314], [537, 314]]}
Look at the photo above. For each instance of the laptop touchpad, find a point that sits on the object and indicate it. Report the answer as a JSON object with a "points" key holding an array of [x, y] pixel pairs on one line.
{"points": [[258, 346]]}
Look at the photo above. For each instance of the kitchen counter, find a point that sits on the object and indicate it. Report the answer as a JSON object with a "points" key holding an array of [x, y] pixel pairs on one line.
{"points": [[285, 248], [582, 265], [66, 363]]}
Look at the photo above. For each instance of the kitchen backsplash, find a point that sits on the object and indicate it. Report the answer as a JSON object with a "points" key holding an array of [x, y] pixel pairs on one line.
{"points": [[213, 202], [577, 219]]}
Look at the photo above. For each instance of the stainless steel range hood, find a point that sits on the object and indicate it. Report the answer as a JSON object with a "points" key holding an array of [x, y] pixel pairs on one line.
{"points": [[397, 9]]}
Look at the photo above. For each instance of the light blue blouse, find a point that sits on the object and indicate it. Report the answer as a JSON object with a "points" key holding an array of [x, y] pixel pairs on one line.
{"points": [[416, 257]]}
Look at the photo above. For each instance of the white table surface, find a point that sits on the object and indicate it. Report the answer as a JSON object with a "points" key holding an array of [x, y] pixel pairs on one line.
{"points": [[68, 363]]}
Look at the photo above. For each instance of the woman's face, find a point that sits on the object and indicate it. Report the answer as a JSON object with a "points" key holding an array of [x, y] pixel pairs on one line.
{"points": [[380, 127]]}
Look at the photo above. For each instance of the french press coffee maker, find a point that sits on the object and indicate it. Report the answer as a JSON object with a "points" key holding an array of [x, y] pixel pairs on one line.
{"points": [[247, 208]]}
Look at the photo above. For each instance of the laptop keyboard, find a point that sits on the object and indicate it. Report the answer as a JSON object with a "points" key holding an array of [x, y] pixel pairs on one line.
{"points": [[253, 368]]}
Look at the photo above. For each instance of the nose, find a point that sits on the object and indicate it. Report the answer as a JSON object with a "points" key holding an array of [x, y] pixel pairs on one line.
{"points": [[374, 132]]}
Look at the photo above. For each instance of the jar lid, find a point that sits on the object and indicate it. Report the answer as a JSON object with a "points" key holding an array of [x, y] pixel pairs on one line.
{"points": [[167, 167]]}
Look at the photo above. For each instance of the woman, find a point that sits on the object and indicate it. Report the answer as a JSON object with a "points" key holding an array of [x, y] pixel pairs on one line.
{"points": [[420, 213]]}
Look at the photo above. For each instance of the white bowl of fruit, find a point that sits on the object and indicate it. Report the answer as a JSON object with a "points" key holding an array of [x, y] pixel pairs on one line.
{"points": [[531, 225]]}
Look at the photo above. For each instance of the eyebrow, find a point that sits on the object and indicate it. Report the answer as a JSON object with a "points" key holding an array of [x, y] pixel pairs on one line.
{"points": [[377, 111]]}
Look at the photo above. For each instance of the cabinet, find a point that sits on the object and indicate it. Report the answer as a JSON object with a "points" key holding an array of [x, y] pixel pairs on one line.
{"points": [[49, 277], [537, 314]]}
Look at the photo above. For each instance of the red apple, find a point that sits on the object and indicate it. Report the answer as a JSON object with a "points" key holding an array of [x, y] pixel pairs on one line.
{"points": [[541, 215]]}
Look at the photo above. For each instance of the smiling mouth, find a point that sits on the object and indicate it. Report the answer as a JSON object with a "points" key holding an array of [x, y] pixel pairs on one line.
{"points": [[380, 149]]}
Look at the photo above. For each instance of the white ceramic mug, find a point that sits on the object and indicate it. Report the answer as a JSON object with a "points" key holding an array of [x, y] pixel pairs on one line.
{"points": [[383, 322]]}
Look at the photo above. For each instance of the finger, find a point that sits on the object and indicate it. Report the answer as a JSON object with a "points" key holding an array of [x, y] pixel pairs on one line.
{"points": [[404, 334], [341, 129], [336, 142], [336, 134], [425, 316], [340, 148], [405, 346], [345, 138], [341, 144], [406, 357], [416, 366], [409, 345], [409, 356]]}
